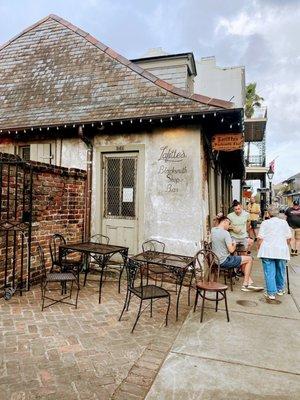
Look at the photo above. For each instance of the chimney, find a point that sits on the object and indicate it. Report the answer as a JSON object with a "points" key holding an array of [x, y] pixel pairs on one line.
{"points": [[177, 69]]}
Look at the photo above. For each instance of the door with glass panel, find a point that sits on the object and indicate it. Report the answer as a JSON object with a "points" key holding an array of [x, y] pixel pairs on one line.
{"points": [[120, 208]]}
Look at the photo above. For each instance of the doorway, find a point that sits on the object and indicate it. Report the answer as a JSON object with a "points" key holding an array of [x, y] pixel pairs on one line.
{"points": [[119, 204]]}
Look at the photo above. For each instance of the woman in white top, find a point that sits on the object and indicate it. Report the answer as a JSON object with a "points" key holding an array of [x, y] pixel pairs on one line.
{"points": [[273, 239]]}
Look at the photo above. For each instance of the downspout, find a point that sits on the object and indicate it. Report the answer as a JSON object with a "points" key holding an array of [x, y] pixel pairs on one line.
{"points": [[88, 186]]}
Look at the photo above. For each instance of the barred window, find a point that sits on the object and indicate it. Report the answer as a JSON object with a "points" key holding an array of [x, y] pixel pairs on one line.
{"points": [[120, 186]]}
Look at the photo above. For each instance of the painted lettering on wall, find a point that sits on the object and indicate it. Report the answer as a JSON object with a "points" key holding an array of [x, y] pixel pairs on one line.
{"points": [[172, 169]]}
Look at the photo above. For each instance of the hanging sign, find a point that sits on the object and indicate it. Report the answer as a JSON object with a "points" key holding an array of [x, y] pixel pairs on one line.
{"points": [[227, 142]]}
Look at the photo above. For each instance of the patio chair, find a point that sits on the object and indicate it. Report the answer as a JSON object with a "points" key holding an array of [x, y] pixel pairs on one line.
{"points": [[207, 283], [155, 245], [228, 272], [101, 239], [137, 287], [56, 277], [66, 264]]}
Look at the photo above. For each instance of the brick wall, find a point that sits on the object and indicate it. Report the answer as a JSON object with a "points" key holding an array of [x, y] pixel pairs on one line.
{"points": [[58, 206]]}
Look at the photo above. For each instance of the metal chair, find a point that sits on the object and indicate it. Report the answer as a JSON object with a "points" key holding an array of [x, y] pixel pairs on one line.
{"points": [[143, 291], [207, 285], [228, 272], [58, 277], [65, 264], [155, 245], [101, 239]]}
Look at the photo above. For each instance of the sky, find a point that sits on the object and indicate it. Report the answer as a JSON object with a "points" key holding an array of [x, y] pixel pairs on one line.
{"points": [[262, 35]]}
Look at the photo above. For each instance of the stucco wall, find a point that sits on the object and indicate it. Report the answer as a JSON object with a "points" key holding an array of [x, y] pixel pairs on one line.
{"points": [[173, 198], [73, 154], [222, 83]]}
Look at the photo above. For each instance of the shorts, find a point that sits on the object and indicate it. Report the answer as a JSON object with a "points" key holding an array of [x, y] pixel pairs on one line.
{"points": [[254, 224], [232, 262], [295, 233]]}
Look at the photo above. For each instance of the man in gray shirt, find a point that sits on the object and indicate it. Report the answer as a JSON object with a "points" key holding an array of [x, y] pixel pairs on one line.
{"points": [[223, 246]]}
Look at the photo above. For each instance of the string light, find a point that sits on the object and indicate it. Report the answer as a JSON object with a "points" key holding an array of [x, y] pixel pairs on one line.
{"points": [[222, 120], [161, 120], [57, 127], [230, 126], [101, 123], [150, 120], [16, 131], [131, 121], [111, 123], [121, 122], [73, 125], [192, 117], [40, 129], [47, 128], [180, 116], [65, 126], [215, 114], [141, 120], [171, 119], [83, 125], [24, 131], [92, 125], [32, 129], [203, 116]]}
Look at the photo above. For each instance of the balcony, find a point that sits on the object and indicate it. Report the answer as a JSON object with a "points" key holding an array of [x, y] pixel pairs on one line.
{"points": [[255, 127], [255, 160]]}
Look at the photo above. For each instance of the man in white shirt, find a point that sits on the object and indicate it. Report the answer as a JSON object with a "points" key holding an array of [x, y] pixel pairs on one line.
{"points": [[273, 240]]}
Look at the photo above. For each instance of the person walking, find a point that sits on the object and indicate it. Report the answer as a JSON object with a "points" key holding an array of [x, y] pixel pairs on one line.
{"points": [[254, 211], [293, 219], [273, 239]]}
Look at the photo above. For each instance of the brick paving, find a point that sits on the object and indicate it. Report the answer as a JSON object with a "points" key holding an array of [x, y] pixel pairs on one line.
{"points": [[64, 353]]}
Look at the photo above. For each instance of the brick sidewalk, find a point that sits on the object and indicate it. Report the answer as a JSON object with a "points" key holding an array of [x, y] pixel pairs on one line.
{"points": [[63, 353]]}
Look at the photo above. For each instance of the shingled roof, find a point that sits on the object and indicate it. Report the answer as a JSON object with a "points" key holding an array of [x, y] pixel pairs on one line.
{"points": [[54, 73]]}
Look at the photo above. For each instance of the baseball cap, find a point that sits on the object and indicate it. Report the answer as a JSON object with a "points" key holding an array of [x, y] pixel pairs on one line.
{"points": [[296, 202]]}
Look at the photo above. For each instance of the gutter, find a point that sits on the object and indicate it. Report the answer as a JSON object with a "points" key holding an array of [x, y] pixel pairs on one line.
{"points": [[88, 186]]}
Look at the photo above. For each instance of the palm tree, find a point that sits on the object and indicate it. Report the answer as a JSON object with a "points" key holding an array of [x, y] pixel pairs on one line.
{"points": [[252, 99]]}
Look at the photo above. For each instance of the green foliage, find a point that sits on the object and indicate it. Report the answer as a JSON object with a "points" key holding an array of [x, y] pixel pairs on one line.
{"points": [[252, 99]]}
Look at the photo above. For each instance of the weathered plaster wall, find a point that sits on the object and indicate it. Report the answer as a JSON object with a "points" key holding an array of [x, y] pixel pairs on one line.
{"points": [[173, 198], [73, 154]]}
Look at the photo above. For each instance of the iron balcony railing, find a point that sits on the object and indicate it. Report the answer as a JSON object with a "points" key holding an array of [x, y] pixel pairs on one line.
{"points": [[256, 160]]}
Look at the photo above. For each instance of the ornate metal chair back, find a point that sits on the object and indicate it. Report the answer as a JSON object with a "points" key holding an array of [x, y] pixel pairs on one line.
{"points": [[153, 245], [207, 266], [56, 240], [134, 271], [101, 239], [42, 263]]}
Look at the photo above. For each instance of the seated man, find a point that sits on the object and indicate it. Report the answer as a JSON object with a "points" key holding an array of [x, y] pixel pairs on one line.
{"points": [[239, 226], [223, 245]]}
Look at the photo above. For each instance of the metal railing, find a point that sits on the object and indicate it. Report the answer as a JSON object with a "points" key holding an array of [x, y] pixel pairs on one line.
{"points": [[257, 160]]}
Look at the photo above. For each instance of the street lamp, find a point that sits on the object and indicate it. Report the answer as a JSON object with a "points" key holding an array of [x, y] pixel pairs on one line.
{"points": [[270, 175]]}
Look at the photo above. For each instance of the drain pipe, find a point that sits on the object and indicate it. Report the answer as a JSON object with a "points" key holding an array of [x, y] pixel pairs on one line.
{"points": [[88, 186]]}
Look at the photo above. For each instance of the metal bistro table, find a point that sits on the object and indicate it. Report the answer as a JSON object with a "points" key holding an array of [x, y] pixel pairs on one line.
{"points": [[100, 253], [178, 266]]}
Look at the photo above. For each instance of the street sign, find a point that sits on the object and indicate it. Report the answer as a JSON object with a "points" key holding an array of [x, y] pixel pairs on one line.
{"points": [[227, 141]]}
